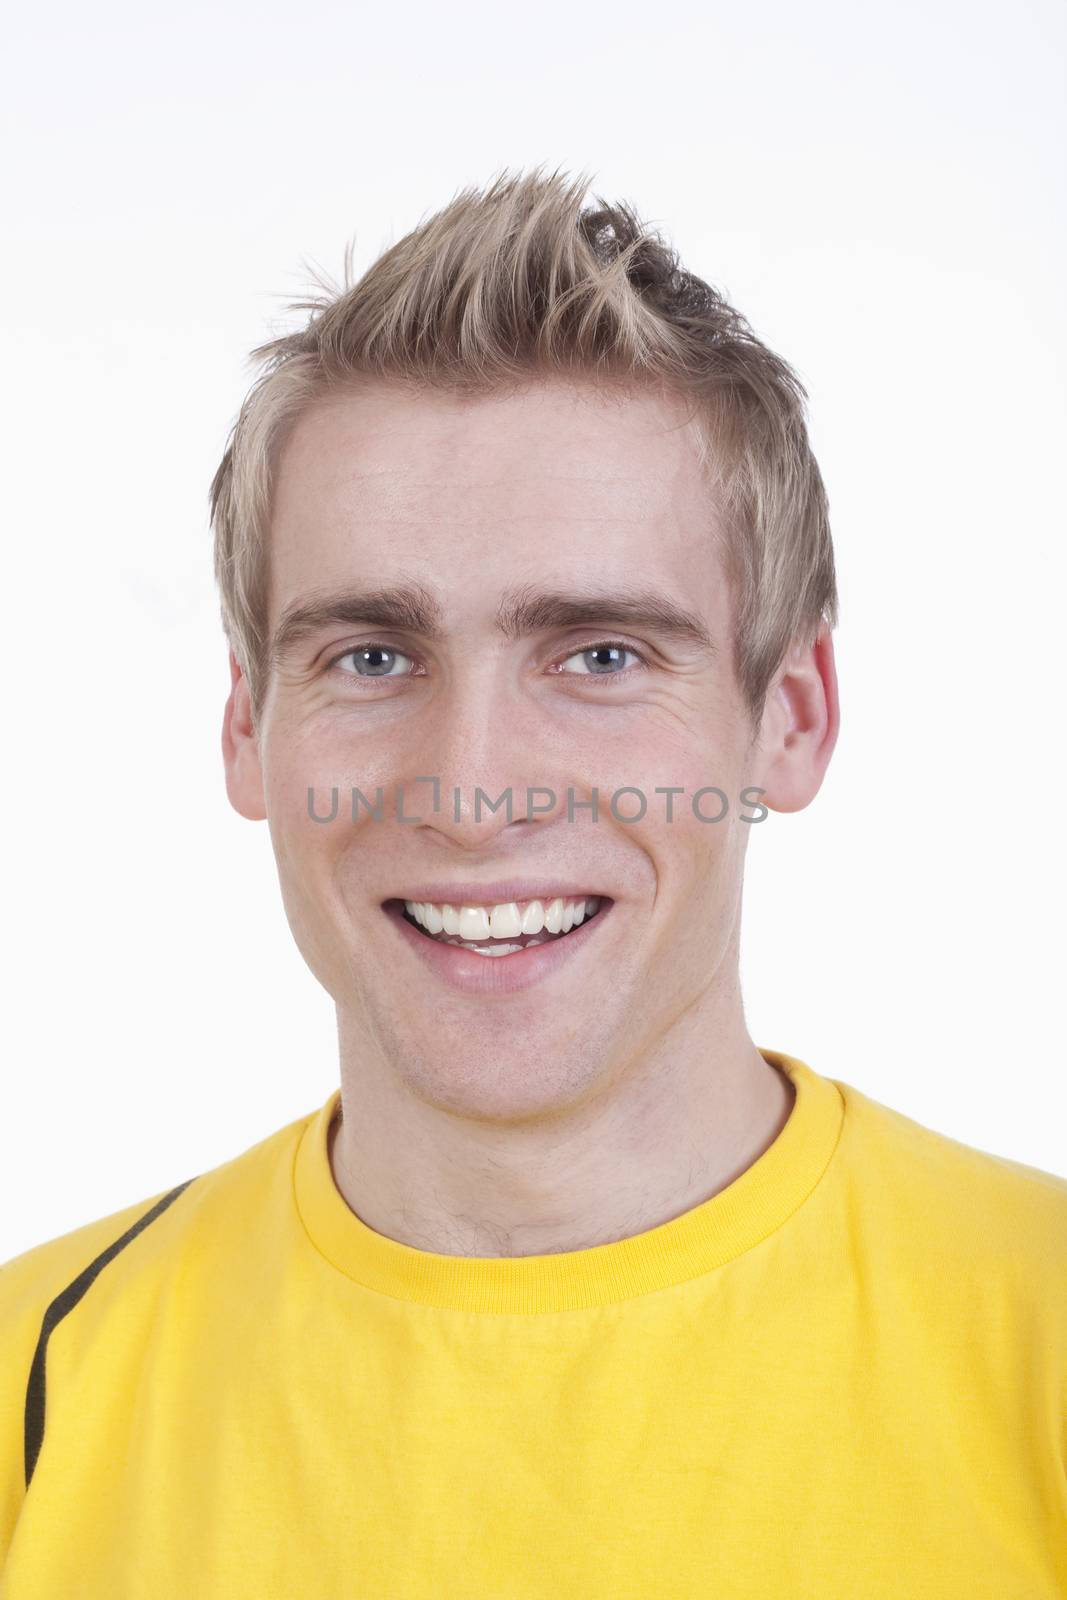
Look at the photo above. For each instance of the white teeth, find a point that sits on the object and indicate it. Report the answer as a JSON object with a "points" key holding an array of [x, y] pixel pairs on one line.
{"points": [[473, 922], [505, 921], [475, 926], [493, 949]]}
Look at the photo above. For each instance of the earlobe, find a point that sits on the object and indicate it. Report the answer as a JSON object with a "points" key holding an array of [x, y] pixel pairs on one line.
{"points": [[240, 749], [801, 726]]}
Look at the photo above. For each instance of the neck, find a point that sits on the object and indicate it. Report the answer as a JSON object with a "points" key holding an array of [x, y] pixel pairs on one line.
{"points": [[668, 1131]]}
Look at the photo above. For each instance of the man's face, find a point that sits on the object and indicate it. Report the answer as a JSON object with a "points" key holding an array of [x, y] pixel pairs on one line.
{"points": [[476, 502]]}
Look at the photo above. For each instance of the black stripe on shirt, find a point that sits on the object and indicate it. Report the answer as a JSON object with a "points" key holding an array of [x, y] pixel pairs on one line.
{"points": [[65, 1301]]}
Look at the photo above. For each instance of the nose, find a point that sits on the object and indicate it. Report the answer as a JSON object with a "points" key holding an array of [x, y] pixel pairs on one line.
{"points": [[482, 772]]}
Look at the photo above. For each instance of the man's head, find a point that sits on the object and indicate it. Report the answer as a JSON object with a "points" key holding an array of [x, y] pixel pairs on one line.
{"points": [[527, 507], [523, 281]]}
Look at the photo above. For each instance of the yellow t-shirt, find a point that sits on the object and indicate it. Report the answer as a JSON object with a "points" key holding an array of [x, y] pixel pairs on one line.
{"points": [[843, 1377]]}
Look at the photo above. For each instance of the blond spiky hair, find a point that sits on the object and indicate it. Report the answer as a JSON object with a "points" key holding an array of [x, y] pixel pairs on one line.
{"points": [[524, 280]]}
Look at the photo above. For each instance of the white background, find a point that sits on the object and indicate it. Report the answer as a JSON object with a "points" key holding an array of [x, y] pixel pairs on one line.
{"points": [[878, 190]]}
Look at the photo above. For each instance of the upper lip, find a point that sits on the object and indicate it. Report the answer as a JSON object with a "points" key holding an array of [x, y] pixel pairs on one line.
{"points": [[494, 894]]}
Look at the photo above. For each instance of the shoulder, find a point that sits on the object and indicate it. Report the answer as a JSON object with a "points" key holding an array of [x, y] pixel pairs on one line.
{"points": [[967, 1207], [31, 1281], [119, 1270], [155, 1228], [37, 1289]]}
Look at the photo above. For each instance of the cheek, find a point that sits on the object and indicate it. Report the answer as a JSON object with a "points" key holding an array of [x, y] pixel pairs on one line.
{"points": [[696, 862], [690, 789], [310, 772], [359, 747], [699, 852], [308, 814]]}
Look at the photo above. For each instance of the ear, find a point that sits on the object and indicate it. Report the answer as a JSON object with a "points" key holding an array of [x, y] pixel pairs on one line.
{"points": [[799, 726], [240, 749]]}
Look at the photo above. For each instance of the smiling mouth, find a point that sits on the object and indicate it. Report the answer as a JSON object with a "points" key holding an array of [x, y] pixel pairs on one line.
{"points": [[500, 930]]}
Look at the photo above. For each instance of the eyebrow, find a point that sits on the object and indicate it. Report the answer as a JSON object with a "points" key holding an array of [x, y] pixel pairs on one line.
{"points": [[526, 610]]}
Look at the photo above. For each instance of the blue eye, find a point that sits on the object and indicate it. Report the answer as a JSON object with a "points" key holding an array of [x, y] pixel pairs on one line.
{"points": [[601, 660], [372, 661]]}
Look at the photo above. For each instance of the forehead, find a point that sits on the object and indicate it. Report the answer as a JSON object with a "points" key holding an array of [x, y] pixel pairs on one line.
{"points": [[468, 494]]}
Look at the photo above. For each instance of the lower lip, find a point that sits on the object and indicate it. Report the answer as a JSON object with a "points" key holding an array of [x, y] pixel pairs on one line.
{"points": [[474, 974]]}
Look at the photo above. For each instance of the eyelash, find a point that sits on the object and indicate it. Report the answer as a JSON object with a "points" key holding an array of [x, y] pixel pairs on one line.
{"points": [[582, 649]]}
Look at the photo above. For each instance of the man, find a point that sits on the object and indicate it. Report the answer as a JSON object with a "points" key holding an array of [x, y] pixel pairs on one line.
{"points": [[569, 1288]]}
